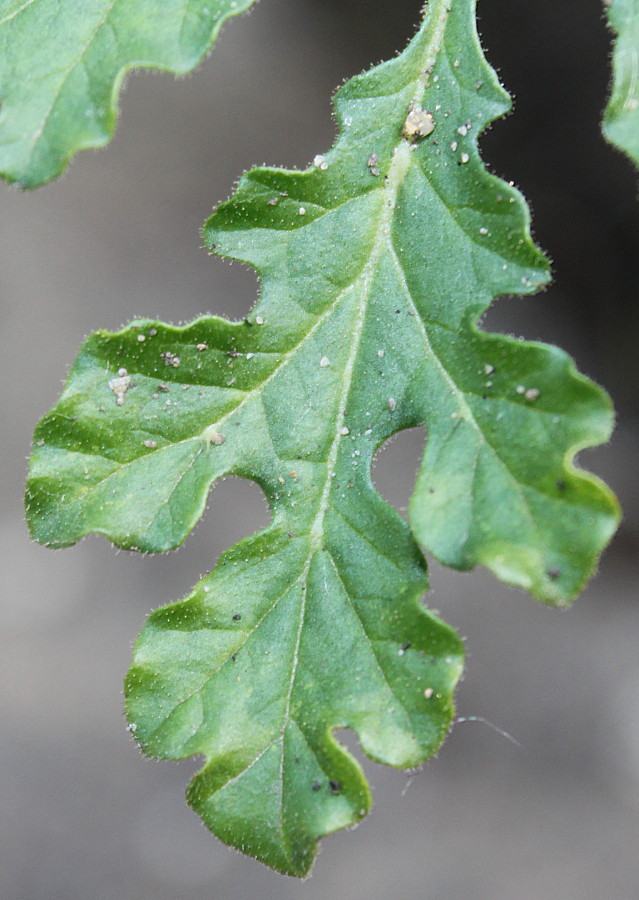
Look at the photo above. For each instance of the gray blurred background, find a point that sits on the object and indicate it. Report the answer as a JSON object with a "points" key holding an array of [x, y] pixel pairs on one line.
{"points": [[83, 815]]}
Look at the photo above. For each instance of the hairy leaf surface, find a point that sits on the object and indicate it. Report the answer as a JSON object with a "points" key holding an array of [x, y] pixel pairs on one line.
{"points": [[62, 65], [621, 120], [375, 266]]}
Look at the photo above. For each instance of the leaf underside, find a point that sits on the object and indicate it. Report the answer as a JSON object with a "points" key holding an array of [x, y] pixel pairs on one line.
{"points": [[375, 266], [62, 65], [621, 119]]}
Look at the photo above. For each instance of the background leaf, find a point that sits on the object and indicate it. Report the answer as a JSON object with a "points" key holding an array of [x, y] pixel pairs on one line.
{"points": [[375, 265], [621, 119], [62, 65]]}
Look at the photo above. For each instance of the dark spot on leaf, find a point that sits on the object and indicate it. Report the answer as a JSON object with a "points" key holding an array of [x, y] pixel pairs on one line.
{"points": [[316, 786], [554, 573], [406, 645], [237, 617], [335, 786], [561, 485]]}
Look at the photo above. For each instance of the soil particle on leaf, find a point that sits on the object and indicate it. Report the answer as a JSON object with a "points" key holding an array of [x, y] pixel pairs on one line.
{"points": [[120, 385], [418, 124], [170, 359], [373, 159], [214, 437]]}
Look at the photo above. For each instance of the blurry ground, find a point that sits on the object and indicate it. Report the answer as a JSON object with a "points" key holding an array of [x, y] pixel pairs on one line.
{"points": [[82, 815]]}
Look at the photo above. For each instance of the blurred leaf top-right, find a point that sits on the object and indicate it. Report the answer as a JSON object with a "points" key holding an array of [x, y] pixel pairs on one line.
{"points": [[621, 119]]}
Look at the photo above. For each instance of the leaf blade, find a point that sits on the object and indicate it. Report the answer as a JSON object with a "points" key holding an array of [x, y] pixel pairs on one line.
{"points": [[375, 266]]}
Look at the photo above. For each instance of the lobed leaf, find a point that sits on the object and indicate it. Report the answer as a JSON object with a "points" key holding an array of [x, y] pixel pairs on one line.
{"points": [[375, 265], [62, 65], [621, 119]]}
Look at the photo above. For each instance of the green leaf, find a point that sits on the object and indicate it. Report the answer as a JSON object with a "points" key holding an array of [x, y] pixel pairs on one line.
{"points": [[62, 65], [375, 266], [621, 119]]}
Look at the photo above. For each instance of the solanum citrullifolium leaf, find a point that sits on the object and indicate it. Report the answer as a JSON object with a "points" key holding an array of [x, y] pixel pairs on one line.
{"points": [[375, 266], [62, 64], [621, 120]]}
